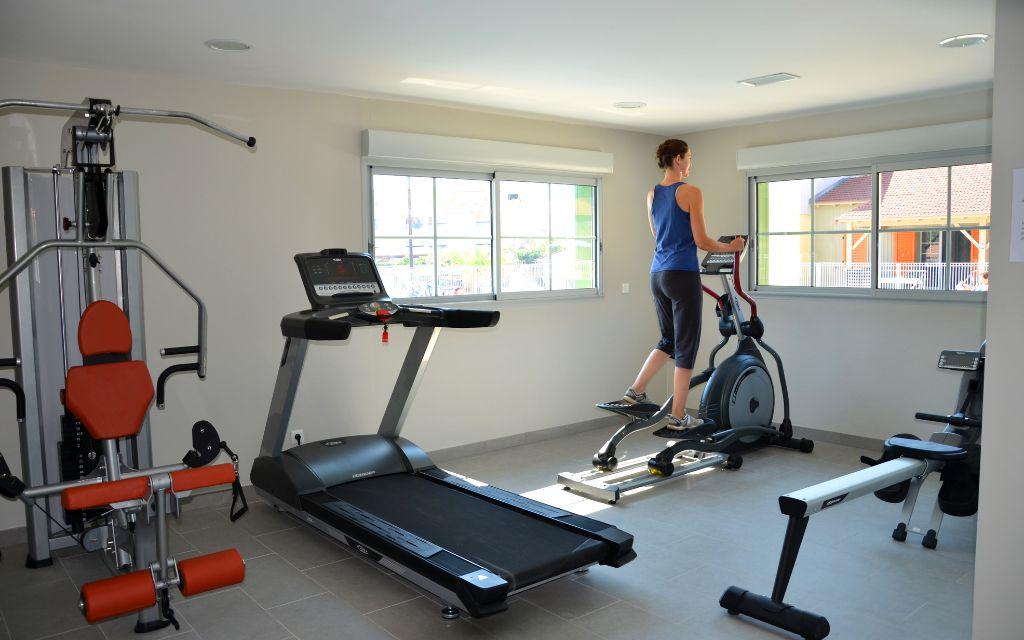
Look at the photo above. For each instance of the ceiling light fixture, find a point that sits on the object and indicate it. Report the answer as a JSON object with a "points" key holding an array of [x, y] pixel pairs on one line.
{"points": [[219, 44], [772, 78], [966, 40], [630, 104]]}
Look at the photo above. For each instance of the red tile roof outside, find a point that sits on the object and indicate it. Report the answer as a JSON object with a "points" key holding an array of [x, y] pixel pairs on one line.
{"points": [[915, 193]]}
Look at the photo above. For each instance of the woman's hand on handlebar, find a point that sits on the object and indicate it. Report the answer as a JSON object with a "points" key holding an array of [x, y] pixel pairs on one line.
{"points": [[738, 243]]}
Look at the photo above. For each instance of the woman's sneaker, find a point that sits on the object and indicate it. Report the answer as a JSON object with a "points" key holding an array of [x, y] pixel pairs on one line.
{"points": [[688, 422], [632, 397]]}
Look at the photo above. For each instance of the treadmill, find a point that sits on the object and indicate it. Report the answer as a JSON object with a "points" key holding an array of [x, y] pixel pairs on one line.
{"points": [[469, 544]]}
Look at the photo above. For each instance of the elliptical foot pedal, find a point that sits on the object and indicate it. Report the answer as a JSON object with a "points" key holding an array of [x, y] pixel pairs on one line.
{"points": [[639, 410], [705, 430]]}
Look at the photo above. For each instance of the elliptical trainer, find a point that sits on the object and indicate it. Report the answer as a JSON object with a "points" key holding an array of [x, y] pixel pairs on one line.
{"points": [[737, 403]]}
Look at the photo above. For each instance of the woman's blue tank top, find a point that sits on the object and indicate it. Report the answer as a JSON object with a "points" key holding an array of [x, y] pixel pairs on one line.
{"points": [[675, 248]]}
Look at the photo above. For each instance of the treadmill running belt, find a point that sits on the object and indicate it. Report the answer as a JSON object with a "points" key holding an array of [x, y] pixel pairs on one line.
{"points": [[521, 549]]}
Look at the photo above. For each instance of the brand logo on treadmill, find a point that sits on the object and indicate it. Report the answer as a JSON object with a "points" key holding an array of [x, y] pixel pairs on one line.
{"points": [[363, 474], [831, 502]]}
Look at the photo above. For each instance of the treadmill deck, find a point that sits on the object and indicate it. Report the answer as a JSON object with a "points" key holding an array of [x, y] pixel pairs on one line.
{"points": [[520, 548]]}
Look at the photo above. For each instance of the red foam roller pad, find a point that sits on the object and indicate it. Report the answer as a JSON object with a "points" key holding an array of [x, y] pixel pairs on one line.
{"points": [[212, 571], [103, 493], [117, 596], [211, 476]]}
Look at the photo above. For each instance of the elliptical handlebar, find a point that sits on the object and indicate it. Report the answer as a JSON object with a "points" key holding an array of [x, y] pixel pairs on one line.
{"points": [[119, 111], [737, 284], [954, 420]]}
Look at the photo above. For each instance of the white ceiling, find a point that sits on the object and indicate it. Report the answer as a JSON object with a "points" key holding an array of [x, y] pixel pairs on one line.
{"points": [[552, 58]]}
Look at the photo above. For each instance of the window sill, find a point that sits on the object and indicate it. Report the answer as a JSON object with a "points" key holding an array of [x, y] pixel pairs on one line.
{"points": [[523, 296]]}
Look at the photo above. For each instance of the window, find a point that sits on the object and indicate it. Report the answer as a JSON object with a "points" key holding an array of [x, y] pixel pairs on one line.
{"points": [[548, 237], [919, 228], [432, 235], [439, 234]]}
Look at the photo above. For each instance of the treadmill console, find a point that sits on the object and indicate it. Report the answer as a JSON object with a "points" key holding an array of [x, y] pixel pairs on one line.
{"points": [[720, 262], [345, 291], [335, 277], [961, 360]]}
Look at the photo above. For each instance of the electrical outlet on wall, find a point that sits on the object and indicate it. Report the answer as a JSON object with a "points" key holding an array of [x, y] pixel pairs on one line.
{"points": [[625, 287], [298, 436]]}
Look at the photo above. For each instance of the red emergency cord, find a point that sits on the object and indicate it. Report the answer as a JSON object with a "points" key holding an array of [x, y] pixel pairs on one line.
{"points": [[384, 315]]}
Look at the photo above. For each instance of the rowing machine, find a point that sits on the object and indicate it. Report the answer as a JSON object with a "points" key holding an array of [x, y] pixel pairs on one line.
{"points": [[896, 477]]}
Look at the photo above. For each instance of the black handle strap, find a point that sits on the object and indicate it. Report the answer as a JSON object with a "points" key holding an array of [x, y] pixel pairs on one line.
{"points": [[236, 487], [167, 612]]}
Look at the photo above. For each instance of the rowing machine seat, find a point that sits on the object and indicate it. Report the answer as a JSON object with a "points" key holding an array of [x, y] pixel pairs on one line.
{"points": [[924, 449]]}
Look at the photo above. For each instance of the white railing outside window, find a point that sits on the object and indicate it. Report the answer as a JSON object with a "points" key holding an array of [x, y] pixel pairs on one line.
{"points": [[963, 276]]}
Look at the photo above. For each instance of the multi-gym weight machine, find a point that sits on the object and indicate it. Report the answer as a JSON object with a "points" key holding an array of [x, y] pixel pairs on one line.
{"points": [[73, 248]]}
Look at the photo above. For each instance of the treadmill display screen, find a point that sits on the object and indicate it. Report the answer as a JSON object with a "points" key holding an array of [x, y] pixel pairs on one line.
{"points": [[342, 275], [960, 360]]}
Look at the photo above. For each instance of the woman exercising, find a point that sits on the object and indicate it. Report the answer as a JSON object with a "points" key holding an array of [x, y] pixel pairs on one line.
{"points": [[675, 212]]}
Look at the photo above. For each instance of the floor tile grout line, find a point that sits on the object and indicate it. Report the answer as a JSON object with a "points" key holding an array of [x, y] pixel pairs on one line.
{"points": [[266, 611], [319, 566], [395, 604], [378, 625], [374, 623], [610, 604], [54, 635], [561, 617], [285, 604]]}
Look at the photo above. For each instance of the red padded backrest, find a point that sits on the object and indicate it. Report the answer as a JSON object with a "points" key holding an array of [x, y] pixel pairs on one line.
{"points": [[111, 399], [103, 329]]}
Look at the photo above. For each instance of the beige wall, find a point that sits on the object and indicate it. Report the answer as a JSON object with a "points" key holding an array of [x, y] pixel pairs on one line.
{"points": [[230, 221], [860, 367], [999, 579]]}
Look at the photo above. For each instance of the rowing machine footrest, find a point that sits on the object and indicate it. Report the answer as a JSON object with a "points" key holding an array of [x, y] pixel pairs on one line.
{"points": [[209, 572], [118, 595], [898, 492], [101, 494], [213, 476], [958, 495], [924, 449]]}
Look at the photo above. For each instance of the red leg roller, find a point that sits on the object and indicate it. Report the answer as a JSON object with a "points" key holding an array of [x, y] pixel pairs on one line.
{"points": [[212, 476], [117, 596], [212, 571]]}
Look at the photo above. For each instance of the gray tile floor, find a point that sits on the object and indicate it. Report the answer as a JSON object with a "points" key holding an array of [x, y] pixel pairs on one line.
{"points": [[694, 536]]}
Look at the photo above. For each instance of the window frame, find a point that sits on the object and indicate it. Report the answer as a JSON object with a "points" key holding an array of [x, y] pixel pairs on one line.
{"points": [[495, 175], [873, 168]]}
